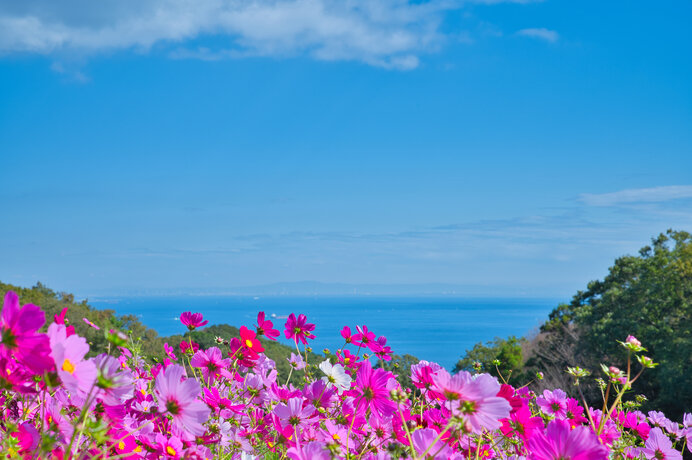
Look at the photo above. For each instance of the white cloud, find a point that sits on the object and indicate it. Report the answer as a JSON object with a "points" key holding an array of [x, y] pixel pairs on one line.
{"points": [[541, 34], [386, 33], [639, 195]]}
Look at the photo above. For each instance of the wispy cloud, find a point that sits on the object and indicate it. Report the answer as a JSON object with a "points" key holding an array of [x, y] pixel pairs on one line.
{"points": [[541, 34], [638, 195], [385, 33]]}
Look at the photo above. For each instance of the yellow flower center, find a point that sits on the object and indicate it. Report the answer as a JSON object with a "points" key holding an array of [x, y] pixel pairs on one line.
{"points": [[67, 366], [138, 449], [121, 445], [336, 436], [248, 343], [170, 450]]}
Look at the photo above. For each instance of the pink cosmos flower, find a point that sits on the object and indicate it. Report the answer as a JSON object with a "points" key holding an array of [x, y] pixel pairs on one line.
{"points": [[76, 373], [19, 337], [170, 352], [372, 389], [192, 320], [314, 450], [521, 423], [553, 403], [574, 413], [299, 328], [116, 384], [422, 373], [364, 337], [559, 442], [242, 354], [425, 440], [27, 439], [178, 397], [296, 361], [659, 447], [91, 324], [266, 328], [60, 319], [474, 397], [171, 447], [212, 363], [294, 414], [186, 348], [346, 334], [382, 351]]}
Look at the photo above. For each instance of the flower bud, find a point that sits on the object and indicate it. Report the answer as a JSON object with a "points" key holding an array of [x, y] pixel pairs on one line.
{"points": [[631, 340]]}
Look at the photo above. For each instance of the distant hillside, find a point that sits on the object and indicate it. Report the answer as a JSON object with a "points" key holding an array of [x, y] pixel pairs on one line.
{"points": [[52, 303]]}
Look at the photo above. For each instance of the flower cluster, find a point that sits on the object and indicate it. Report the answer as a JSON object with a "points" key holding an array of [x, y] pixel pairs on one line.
{"points": [[230, 402]]}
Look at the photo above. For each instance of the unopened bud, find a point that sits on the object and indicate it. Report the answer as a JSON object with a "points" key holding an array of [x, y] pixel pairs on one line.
{"points": [[646, 362]]}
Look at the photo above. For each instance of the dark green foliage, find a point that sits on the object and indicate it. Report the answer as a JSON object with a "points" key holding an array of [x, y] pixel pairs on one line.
{"points": [[52, 303], [507, 351], [151, 344], [648, 296]]}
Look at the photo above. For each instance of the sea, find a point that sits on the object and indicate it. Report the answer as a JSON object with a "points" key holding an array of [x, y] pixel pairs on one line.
{"points": [[435, 329]]}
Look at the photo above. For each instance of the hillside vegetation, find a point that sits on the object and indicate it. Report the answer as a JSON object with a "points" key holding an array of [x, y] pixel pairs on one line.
{"points": [[648, 296]]}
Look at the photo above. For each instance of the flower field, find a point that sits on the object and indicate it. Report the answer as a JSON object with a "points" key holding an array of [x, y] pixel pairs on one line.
{"points": [[230, 402]]}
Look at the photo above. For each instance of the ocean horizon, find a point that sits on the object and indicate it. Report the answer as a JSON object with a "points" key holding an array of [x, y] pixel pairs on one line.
{"points": [[436, 329]]}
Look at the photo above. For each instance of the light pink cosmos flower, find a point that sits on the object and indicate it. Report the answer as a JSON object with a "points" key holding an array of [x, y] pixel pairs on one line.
{"points": [[76, 373], [560, 442], [299, 328], [314, 450], [473, 397], [553, 403], [178, 397], [192, 320], [19, 337], [425, 440], [294, 414], [296, 361], [659, 447]]}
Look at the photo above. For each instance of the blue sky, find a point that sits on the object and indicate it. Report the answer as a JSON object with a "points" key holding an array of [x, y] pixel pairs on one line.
{"points": [[512, 148]]}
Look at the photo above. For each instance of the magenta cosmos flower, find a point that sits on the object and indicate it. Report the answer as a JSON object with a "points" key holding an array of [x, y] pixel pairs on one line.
{"points": [[212, 363], [19, 337], [265, 327], [178, 397], [192, 320], [372, 387], [299, 328], [560, 442]]}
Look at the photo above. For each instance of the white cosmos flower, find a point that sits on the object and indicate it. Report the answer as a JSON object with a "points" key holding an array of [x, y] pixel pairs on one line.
{"points": [[335, 375]]}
